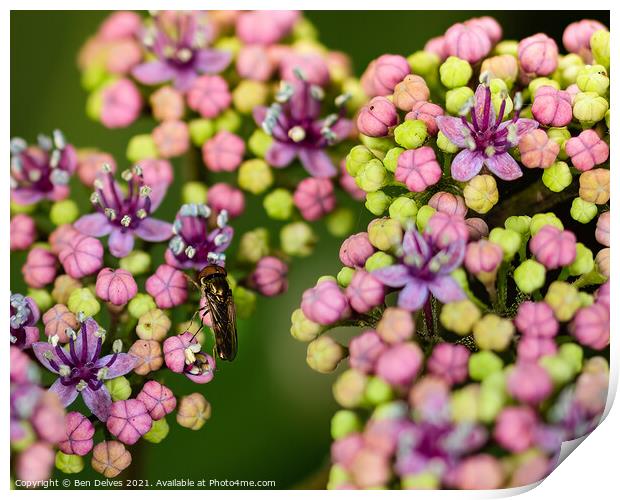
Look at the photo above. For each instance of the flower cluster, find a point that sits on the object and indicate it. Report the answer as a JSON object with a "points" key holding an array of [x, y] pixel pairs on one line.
{"points": [[482, 333]]}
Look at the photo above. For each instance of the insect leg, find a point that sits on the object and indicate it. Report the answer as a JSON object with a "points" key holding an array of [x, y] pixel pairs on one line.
{"points": [[203, 308]]}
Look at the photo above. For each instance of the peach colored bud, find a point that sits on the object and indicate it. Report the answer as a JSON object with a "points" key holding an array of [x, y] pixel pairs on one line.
{"points": [[167, 104], [411, 90], [426, 112], [451, 204], [110, 458], [57, 320], [504, 67], [602, 229], [537, 150], [148, 354], [153, 325], [171, 138], [594, 186], [479, 472], [193, 411], [63, 286], [396, 325]]}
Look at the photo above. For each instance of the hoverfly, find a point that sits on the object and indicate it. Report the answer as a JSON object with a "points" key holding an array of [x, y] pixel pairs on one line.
{"points": [[214, 286]]}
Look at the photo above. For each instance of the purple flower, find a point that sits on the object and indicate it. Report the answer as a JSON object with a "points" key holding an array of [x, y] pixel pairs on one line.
{"points": [[24, 317], [487, 138], [178, 40], [298, 131], [41, 172], [123, 216], [201, 236], [81, 367], [424, 268]]}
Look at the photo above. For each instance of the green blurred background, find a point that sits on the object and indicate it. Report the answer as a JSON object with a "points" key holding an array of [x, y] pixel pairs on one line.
{"points": [[271, 412]]}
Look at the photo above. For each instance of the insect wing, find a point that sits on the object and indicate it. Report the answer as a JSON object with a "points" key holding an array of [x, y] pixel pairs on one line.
{"points": [[223, 318]]}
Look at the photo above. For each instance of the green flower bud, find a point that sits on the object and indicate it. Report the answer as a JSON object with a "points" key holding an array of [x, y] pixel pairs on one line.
{"points": [[93, 76], [544, 219], [324, 354], [159, 431], [378, 260], [507, 47], [481, 193], [560, 135], [568, 67], [457, 98], [42, 298], [297, 239], [377, 202], [349, 388], [564, 299], [391, 159], [141, 304], [493, 332], [119, 388], [302, 328], [259, 142], [357, 158], [509, 240], [586, 299], [345, 422], [459, 317], [136, 262], [83, 300], [499, 95], [542, 81], [404, 210], [530, 276], [352, 87], [584, 261], [372, 176], [338, 476], [445, 145], [254, 245], [589, 108], [607, 118], [344, 276], [557, 177], [455, 72], [519, 224], [194, 192], [423, 63], [492, 396], [427, 480], [16, 208], [141, 147], [483, 363], [593, 79], [245, 302], [249, 94], [27, 440], [279, 204], [201, 130], [464, 404], [425, 212], [583, 211], [69, 464], [558, 368], [599, 43], [411, 134], [378, 391], [573, 353], [255, 176], [385, 234], [229, 44], [379, 146], [64, 212], [94, 104], [229, 120], [340, 222]]}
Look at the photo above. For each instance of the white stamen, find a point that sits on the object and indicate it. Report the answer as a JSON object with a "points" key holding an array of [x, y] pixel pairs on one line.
{"points": [[102, 373], [126, 175], [117, 346], [141, 214], [64, 371], [126, 221], [54, 340], [297, 133], [81, 385], [190, 252]]}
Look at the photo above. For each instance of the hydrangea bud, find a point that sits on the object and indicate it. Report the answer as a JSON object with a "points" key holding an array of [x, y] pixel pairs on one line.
{"points": [[602, 229], [481, 193], [223, 152], [140, 304], [594, 186], [64, 212], [141, 147], [564, 300], [557, 177], [400, 364], [385, 234], [404, 210], [136, 262], [482, 364], [411, 90], [193, 412], [493, 332], [22, 232], [168, 286], [69, 464], [457, 98], [449, 361], [377, 117], [79, 435], [201, 130], [602, 262], [446, 229], [552, 107], [116, 286], [253, 62], [476, 228], [389, 70], [110, 458], [279, 204], [587, 150], [314, 198], [269, 277], [148, 356], [83, 301], [119, 103], [153, 325], [504, 67], [357, 158], [593, 79], [467, 41], [158, 399], [509, 240], [538, 54], [297, 239], [364, 292], [209, 95], [159, 431], [410, 134], [324, 354], [600, 45], [540, 220], [249, 94], [377, 202], [537, 150], [255, 176], [529, 276], [302, 328], [455, 72], [81, 256], [584, 261], [119, 388], [590, 326], [459, 317], [515, 427], [372, 176], [576, 36], [325, 303], [589, 108], [40, 268], [418, 169], [529, 383], [483, 258], [167, 104], [536, 319]]}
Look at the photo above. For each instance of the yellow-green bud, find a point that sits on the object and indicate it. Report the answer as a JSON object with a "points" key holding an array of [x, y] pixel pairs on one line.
{"points": [[379, 146], [141, 304], [509, 240], [425, 212], [557, 177], [344, 277], [302, 328], [378, 391], [411, 134], [404, 210], [64, 212], [593, 79], [518, 223], [507, 47], [391, 159], [559, 369], [136, 262], [119, 388], [69, 464], [573, 353], [153, 325], [324, 354], [229, 44], [481, 193], [589, 108], [349, 388], [340, 222], [584, 261], [568, 67], [194, 192], [423, 63], [201, 130], [385, 234], [141, 147], [457, 98], [42, 298], [445, 145], [544, 219], [83, 300], [229, 120], [542, 81], [455, 72], [94, 104], [377, 202], [338, 476], [259, 142], [560, 135], [345, 422], [530, 276], [158, 432], [245, 302], [599, 43], [459, 317], [499, 95], [492, 396], [357, 158], [583, 211], [564, 299], [484, 363], [297, 239], [493, 332], [279, 204], [254, 245], [372, 176], [464, 403], [249, 94], [378, 260], [255, 176]]}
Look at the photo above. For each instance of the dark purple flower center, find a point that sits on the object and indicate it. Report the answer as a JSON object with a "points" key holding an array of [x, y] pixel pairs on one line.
{"points": [[426, 263], [21, 316]]}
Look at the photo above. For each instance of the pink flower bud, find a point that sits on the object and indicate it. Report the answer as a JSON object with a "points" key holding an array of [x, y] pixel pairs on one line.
{"points": [[389, 70], [57, 320], [483, 256], [209, 95], [382, 435], [576, 37], [79, 432], [223, 152], [418, 169], [553, 247], [344, 450], [158, 399], [410, 91], [254, 63], [35, 463], [602, 229], [223, 196], [377, 117], [537, 150], [174, 351], [265, 27], [467, 41], [427, 112], [515, 428], [147, 354], [536, 319], [591, 392], [400, 364], [446, 229], [81, 256], [314, 198], [451, 204], [171, 138], [122, 56], [529, 383], [40, 268], [312, 66], [587, 150], [129, 420], [48, 418], [490, 26], [168, 286], [364, 350], [325, 303], [269, 277], [530, 349], [355, 250], [60, 236], [602, 294], [121, 104], [119, 25], [365, 291], [552, 107], [167, 104], [370, 469], [449, 361], [396, 325], [590, 326], [538, 54], [90, 164], [476, 228], [437, 46], [110, 458], [116, 286], [23, 232], [479, 472]]}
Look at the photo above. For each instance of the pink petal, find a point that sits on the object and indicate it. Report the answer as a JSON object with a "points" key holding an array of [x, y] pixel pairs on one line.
{"points": [[280, 155], [317, 163], [504, 166], [453, 128], [66, 393], [413, 296], [466, 165], [154, 230], [446, 289], [154, 72], [259, 114], [212, 61], [395, 276], [415, 244], [120, 243], [96, 225], [40, 348], [122, 365], [98, 402]]}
